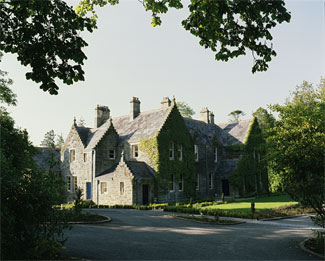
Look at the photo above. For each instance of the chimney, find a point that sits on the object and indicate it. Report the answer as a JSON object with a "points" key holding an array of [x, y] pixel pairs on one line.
{"points": [[135, 108], [102, 113], [211, 117], [165, 103], [205, 115]]}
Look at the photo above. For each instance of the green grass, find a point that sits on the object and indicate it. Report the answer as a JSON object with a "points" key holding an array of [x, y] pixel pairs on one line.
{"points": [[261, 204]]}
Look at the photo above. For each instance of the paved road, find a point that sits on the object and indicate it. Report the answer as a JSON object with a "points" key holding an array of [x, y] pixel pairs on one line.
{"points": [[152, 235]]}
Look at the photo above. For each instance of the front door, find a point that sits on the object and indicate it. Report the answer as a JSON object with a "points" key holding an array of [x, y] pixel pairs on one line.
{"points": [[145, 194], [225, 187], [88, 190]]}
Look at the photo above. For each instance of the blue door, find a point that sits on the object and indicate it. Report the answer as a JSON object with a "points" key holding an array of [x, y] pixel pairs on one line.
{"points": [[88, 190]]}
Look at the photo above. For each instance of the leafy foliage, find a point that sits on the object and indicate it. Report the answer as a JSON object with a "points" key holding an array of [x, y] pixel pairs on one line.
{"points": [[49, 140], [174, 130], [235, 115], [59, 141], [185, 110], [45, 36], [228, 28], [30, 227], [297, 145], [6, 94]]}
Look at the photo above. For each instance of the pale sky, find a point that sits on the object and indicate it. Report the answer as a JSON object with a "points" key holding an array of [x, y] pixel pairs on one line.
{"points": [[128, 57]]}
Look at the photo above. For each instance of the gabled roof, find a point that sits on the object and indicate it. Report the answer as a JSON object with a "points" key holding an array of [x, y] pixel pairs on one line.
{"points": [[146, 125], [235, 132]]}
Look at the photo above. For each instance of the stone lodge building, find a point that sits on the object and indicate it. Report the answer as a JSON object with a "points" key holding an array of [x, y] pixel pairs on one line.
{"points": [[152, 156]]}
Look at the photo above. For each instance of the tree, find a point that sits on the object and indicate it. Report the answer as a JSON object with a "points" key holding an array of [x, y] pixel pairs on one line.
{"points": [[45, 36], [228, 28], [185, 110], [235, 115], [59, 141], [6, 94], [31, 227], [49, 140], [296, 145]]}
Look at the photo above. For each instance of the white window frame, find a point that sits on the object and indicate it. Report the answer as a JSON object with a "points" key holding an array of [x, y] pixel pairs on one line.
{"points": [[171, 151], [135, 152], [216, 154], [68, 183], [197, 187], [210, 181], [72, 155], [75, 183], [180, 152], [181, 183], [196, 152], [103, 187], [171, 181], [109, 154]]}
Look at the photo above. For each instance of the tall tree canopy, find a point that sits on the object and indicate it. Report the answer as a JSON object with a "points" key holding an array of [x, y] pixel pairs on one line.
{"points": [[229, 28], [235, 115], [185, 110], [297, 142], [46, 36]]}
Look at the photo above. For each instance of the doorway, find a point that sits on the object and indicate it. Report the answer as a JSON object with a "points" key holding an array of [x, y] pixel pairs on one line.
{"points": [[225, 187], [145, 194]]}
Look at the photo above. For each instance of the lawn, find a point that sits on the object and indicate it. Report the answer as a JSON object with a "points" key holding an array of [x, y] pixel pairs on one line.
{"points": [[262, 203]]}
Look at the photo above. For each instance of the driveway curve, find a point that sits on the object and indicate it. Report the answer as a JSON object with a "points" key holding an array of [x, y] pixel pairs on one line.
{"points": [[152, 235]]}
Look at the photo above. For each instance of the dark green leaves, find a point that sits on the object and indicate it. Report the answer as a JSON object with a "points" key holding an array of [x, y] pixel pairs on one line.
{"points": [[45, 36], [230, 28]]}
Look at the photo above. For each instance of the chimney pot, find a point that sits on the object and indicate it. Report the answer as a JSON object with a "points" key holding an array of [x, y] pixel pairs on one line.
{"points": [[135, 108]]}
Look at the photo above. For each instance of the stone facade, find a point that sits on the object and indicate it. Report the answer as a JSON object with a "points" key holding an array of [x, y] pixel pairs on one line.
{"points": [[107, 164]]}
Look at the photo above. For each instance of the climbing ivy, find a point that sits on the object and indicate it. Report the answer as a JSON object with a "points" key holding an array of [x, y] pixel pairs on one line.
{"points": [[174, 131], [250, 176]]}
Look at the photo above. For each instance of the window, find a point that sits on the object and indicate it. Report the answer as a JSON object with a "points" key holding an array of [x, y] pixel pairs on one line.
{"points": [[68, 183], [180, 152], [72, 155], [135, 151], [85, 157], [197, 182], [210, 181], [171, 183], [75, 183], [103, 188], [196, 152], [121, 188], [111, 154], [215, 154], [180, 184], [171, 151]]}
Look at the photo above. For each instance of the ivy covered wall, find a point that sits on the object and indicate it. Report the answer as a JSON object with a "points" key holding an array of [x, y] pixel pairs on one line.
{"points": [[250, 176], [173, 133]]}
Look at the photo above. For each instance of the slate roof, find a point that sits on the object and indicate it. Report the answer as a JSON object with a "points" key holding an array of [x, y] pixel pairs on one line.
{"points": [[234, 132], [227, 166], [139, 169], [146, 125], [226, 133], [42, 159]]}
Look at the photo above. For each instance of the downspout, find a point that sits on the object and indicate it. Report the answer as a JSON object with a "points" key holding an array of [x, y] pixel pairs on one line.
{"points": [[206, 171], [93, 172]]}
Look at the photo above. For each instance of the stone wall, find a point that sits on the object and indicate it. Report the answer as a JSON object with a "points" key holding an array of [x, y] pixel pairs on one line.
{"points": [[79, 168]]}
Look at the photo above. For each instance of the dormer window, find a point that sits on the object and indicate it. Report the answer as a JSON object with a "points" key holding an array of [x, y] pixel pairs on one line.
{"points": [[112, 154], [171, 151], [196, 152], [180, 152], [135, 151], [72, 155]]}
